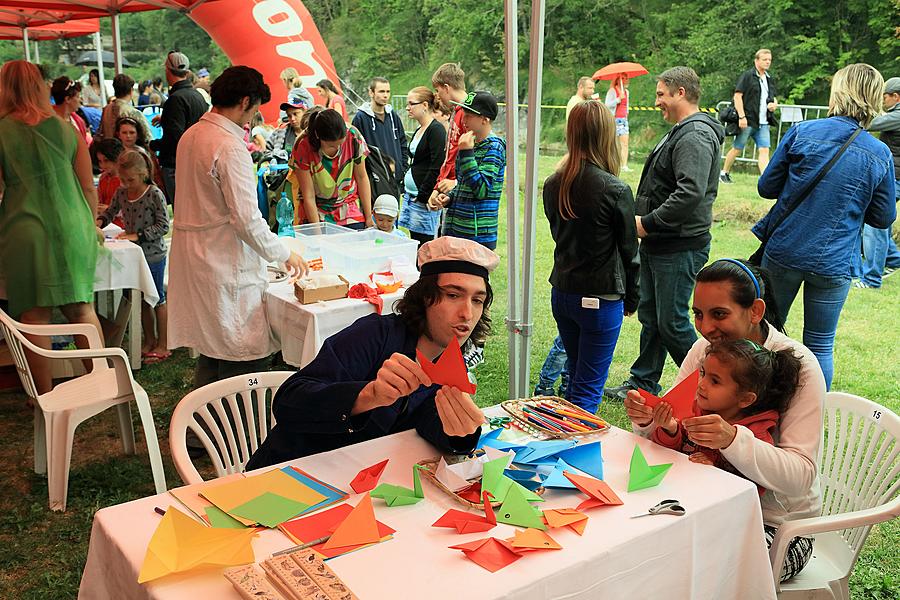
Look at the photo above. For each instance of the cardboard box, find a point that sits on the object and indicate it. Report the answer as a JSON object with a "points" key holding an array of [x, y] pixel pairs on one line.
{"points": [[332, 292]]}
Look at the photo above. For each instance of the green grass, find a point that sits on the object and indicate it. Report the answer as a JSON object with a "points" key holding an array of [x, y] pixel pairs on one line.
{"points": [[42, 553]]}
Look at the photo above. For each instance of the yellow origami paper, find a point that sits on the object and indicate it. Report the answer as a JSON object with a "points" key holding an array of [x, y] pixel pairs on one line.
{"points": [[180, 544], [231, 495]]}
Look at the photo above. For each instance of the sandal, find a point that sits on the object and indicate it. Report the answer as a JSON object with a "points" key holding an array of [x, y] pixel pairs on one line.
{"points": [[155, 357]]}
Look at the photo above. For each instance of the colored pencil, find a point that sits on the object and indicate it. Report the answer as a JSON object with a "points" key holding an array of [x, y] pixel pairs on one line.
{"points": [[561, 424], [561, 420]]}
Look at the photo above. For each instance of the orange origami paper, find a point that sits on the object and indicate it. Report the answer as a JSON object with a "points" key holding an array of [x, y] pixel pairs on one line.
{"points": [[465, 522], [599, 491], [489, 553], [450, 369], [681, 397], [367, 479], [360, 527], [566, 517], [533, 539]]}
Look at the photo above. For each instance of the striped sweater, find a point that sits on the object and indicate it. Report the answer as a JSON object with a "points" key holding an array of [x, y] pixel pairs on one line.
{"points": [[475, 201]]}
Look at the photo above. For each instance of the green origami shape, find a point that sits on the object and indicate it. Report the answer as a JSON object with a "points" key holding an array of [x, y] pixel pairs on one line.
{"points": [[269, 509], [397, 495], [516, 510], [642, 475], [221, 519], [494, 481]]}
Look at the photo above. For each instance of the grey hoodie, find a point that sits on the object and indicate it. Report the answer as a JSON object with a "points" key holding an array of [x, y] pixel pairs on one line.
{"points": [[388, 135], [678, 186]]}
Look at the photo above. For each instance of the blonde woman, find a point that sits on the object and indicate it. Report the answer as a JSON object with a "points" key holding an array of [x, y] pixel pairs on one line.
{"points": [[595, 268], [48, 242], [296, 93], [426, 150], [818, 245]]}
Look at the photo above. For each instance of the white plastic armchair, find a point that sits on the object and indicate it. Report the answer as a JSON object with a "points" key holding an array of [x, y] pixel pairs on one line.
{"points": [[860, 475], [58, 412], [231, 418]]}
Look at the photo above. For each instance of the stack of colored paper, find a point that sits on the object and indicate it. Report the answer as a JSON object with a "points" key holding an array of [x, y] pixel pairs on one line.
{"points": [[350, 528]]}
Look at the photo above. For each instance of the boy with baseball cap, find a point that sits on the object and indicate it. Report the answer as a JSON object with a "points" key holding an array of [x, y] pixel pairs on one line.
{"points": [[473, 205], [385, 211]]}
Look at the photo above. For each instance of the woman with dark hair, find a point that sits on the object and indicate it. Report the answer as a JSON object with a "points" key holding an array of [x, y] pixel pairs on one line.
{"points": [[328, 169], [91, 92], [427, 149], [66, 95], [818, 245], [595, 269], [733, 300], [332, 97], [365, 382], [48, 241]]}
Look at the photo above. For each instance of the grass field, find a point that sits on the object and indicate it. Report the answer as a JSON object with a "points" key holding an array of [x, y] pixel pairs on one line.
{"points": [[42, 554]]}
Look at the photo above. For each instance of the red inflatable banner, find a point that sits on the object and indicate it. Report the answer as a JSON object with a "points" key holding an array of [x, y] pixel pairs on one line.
{"points": [[270, 36]]}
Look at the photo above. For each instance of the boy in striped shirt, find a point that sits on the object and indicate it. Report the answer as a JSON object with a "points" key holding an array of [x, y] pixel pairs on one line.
{"points": [[473, 205]]}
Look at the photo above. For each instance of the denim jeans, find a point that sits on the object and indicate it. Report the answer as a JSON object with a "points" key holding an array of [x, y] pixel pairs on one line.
{"points": [[823, 299], [168, 177], [880, 252], [556, 365], [667, 281], [589, 336]]}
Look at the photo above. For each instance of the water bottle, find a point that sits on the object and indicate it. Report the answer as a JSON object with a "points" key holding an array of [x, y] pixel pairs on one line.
{"points": [[284, 212]]}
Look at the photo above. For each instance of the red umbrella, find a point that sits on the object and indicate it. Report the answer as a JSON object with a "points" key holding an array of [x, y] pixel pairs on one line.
{"points": [[628, 69]]}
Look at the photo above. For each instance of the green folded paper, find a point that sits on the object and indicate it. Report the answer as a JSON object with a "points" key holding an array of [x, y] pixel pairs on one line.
{"points": [[642, 475]]}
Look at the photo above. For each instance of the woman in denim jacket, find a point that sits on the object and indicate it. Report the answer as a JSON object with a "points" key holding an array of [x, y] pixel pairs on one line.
{"points": [[818, 245]]}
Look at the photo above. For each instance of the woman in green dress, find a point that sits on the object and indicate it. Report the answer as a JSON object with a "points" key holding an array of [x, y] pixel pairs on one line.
{"points": [[48, 240]]}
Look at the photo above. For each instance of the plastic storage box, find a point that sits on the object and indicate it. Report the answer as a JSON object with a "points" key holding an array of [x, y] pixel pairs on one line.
{"points": [[311, 238], [360, 253]]}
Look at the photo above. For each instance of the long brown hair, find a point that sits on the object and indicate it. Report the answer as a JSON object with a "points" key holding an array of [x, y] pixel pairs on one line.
{"points": [[591, 138], [24, 92]]}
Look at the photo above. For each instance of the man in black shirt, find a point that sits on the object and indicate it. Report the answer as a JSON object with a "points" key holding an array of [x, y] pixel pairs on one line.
{"points": [[754, 100]]}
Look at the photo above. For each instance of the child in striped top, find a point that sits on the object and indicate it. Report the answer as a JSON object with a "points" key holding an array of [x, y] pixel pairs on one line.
{"points": [[473, 205]]}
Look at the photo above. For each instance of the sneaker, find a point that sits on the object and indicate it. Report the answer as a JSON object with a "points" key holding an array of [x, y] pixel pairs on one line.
{"points": [[544, 391], [725, 178], [888, 271], [863, 285], [617, 394]]}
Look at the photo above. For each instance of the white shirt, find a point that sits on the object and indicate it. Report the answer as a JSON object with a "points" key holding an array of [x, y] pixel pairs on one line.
{"points": [[763, 95], [788, 470], [220, 247]]}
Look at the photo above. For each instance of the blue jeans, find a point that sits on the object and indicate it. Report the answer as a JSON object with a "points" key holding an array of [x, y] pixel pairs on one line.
{"points": [[589, 336], [158, 271], [667, 281], [880, 251], [823, 299], [759, 134], [168, 177], [556, 365]]}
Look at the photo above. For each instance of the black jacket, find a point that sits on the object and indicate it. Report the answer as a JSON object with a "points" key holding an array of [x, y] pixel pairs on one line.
{"points": [[183, 108], [679, 185], [596, 253], [748, 85], [428, 159]]}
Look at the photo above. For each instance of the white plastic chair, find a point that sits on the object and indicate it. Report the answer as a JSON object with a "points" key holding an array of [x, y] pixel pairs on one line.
{"points": [[58, 412], [231, 418], [860, 474]]}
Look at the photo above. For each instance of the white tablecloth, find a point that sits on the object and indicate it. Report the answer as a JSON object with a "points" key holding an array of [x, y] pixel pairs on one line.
{"points": [[301, 329], [716, 551]]}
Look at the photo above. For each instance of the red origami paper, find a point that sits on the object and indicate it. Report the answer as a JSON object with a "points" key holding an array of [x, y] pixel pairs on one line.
{"points": [[471, 493], [681, 397], [489, 553], [367, 479], [465, 522], [450, 369], [599, 491], [367, 293]]}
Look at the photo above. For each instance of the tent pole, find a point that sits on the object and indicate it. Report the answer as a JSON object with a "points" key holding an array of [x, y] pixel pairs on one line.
{"points": [[99, 48], [532, 154], [26, 43], [117, 43], [37, 52], [512, 193]]}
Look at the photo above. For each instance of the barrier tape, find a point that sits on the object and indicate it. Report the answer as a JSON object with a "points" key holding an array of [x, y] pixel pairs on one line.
{"points": [[630, 108]]}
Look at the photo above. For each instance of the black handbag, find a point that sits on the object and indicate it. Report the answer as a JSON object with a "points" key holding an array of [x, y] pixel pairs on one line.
{"points": [[756, 258]]}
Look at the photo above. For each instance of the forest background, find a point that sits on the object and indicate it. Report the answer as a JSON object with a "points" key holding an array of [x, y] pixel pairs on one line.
{"points": [[810, 40]]}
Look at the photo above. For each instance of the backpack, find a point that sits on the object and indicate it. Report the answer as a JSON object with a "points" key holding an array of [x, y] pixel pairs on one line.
{"points": [[381, 179]]}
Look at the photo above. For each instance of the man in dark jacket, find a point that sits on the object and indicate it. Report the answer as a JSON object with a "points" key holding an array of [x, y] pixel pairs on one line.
{"points": [[382, 126], [674, 214], [755, 103], [183, 108]]}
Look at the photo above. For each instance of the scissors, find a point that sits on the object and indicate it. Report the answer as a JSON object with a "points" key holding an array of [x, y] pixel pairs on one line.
{"points": [[498, 422], [666, 507]]}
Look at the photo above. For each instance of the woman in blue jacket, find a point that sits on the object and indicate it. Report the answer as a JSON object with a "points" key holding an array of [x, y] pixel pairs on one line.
{"points": [[818, 245]]}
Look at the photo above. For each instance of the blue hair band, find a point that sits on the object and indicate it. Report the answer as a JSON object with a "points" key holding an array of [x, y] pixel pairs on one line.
{"points": [[746, 270]]}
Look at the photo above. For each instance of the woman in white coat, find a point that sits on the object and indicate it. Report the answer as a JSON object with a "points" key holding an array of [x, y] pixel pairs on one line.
{"points": [[221, 243]]}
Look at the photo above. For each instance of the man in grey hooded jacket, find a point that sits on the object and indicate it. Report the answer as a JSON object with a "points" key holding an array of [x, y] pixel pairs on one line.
{"points": [[674, 214], [382, 127]]}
